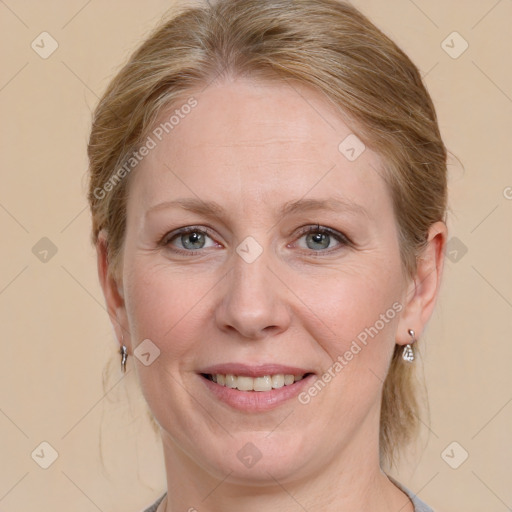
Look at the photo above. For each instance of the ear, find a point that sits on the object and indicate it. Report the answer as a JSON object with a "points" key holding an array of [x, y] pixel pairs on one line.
{"points": [[113, 292], [421, 294]]}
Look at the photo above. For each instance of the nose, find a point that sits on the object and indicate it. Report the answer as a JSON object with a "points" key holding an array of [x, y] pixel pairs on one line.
{"points": [[253, 303]]}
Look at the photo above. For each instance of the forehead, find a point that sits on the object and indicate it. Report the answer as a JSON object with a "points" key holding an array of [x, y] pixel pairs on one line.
{"points": [[245, 140]]}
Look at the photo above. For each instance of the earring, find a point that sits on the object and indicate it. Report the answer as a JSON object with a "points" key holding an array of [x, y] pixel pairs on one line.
{"points": [[408, 352], [124, 356]]}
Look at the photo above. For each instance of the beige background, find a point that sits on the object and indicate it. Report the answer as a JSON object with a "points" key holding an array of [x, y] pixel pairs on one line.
{"points": [[56, 337]]}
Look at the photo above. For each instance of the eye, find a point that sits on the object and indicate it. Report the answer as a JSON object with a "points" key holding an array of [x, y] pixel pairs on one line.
{"points": [[192, 239], [189, 239], [318, 238]]}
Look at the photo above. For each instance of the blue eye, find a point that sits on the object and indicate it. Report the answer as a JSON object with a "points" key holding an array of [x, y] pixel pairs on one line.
{"points": [[320, 238], [189, 239], [193, 240]]}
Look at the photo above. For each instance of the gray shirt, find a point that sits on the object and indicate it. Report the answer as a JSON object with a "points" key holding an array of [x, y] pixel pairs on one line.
{"points": [[419, 506]]}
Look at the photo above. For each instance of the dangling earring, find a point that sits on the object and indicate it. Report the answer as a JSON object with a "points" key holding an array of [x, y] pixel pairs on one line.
{"points": [[124, 356], [408, 352]]}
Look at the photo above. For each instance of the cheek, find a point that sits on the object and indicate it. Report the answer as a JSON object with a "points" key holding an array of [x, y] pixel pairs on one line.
{"points": [[358, 304], [165, 306]]}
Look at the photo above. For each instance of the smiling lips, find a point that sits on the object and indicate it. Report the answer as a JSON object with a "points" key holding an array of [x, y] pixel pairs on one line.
{"points": [[261, 378], [255, 389], [246, 383]]}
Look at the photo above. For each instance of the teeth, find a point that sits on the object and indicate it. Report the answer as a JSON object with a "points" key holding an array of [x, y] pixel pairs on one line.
{"points": [[265, 383], [289, 379], [245, 383], [230, 380], [278, 381], [261, 383]]}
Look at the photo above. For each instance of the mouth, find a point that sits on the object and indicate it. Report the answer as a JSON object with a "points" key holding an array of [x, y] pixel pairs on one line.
{"points": [[254, 389], [255, 384]]}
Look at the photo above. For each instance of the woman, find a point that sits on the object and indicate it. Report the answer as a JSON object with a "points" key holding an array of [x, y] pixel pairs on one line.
{"points": [[268, 195]]}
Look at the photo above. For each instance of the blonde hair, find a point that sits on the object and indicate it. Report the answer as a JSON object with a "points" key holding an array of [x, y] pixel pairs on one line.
{"points": [[324, 44]]}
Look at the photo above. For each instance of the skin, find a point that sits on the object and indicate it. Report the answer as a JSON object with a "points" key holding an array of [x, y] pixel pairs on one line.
{"points": [[252, 147]]}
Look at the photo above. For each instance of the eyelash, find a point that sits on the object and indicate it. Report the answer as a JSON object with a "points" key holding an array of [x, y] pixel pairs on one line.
{"points": [[342, 239]]}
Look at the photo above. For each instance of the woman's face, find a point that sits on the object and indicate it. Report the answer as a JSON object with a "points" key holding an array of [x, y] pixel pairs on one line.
{"points": [[289, 264]]}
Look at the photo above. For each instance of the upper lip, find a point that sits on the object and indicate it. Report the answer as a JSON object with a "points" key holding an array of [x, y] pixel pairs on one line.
{"points": [[253, 370]]}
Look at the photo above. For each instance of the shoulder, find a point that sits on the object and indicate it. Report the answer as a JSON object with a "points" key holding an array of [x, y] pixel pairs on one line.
{"points": [[153, 507], [419, 506]]}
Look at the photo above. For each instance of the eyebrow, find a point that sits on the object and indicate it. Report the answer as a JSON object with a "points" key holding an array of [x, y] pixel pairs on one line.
{"points": [[211, 208]]}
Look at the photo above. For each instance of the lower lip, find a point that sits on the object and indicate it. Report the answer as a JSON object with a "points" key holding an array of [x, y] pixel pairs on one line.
{"points": [[254, 401]]}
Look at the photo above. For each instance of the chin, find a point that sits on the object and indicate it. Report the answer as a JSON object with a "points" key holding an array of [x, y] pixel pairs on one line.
{"points": [[257, 459]]}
